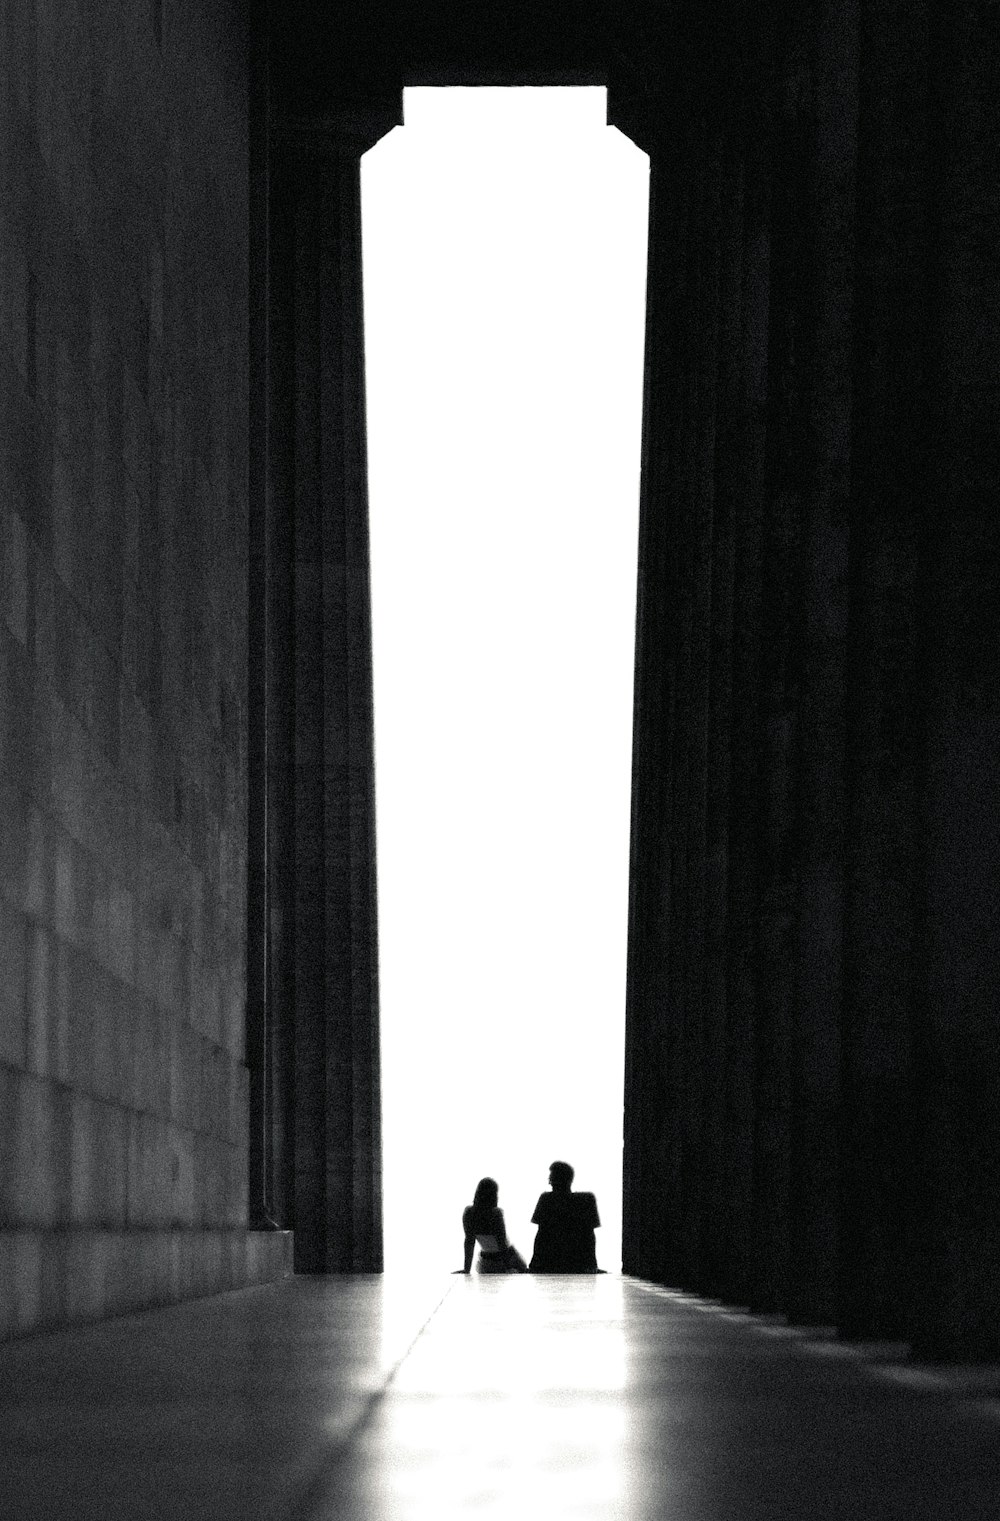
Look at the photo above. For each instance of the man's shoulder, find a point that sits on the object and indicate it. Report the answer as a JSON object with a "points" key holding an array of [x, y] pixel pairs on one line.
{"points": [[585, 1207], [541, 1208]]}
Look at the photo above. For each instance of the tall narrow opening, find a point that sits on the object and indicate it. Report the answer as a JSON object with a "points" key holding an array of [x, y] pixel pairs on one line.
{"points": [[504, 265]]}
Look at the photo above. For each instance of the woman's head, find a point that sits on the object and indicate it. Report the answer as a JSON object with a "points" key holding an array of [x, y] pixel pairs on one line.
{"points": [[486, 1195]]}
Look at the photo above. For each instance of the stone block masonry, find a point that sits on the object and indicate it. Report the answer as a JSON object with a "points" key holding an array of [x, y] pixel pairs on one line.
{"points": [[123, 639]]}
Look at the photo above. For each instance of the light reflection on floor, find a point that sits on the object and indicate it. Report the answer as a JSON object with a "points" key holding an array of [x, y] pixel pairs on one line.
{"points": [[405, 1303], [548, 1439], [605, 1399]]}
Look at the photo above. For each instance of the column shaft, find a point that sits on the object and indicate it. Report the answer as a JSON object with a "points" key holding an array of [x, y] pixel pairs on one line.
{"points": [[786, 487], [643, 1070], [826, 354], [958, 1031], [890, 431], [326, 950], [746, 773], [693, 547], [653, 1161], [702, 1021], [725, 1141]]}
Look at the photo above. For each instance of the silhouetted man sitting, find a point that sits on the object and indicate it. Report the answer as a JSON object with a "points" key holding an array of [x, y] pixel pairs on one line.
{"points": [[566, 1222]]}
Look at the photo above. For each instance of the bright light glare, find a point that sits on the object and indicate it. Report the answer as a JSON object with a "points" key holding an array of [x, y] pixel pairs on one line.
{"points": [[504, 273], [500, 1412]]}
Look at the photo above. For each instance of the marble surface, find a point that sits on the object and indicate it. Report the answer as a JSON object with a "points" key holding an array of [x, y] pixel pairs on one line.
{"points": [[396, 1400]]}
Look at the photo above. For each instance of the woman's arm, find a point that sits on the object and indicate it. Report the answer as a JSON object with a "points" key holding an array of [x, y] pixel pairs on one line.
{"points": [[470, 1240], [500, 1229]]}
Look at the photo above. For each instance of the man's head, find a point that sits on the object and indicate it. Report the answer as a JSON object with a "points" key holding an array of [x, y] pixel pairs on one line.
{"points": [[561, 1177]]}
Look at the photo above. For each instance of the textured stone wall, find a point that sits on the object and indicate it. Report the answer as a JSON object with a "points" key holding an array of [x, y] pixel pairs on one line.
{"points": [[123, 627]]}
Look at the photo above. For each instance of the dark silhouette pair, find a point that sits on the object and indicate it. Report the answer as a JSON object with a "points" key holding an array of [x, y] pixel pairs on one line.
{"points": [[564, 1241]]}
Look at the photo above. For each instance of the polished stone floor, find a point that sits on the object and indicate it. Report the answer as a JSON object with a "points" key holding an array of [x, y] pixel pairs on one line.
{"points": [[513, 1398]]}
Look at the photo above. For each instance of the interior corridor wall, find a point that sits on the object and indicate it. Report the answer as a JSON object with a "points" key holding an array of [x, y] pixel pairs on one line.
{"points": [[123, 633]]}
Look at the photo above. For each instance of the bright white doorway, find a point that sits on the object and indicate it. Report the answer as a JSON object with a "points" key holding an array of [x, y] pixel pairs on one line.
{"points": [[504, 264]]}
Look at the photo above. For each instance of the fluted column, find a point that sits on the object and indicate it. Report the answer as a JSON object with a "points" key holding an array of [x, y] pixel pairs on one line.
{"points": [[746, 762], [643, 1170], [725, 1149], [687, 503], [786, 484], [698, 506], [319, 479], [890, 434], [679, 1037], [826, 348], [958, 1029], [655, 1071]]}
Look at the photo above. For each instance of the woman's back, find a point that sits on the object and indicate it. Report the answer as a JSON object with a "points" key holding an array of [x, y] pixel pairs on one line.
{"points": [[487, 1226]]}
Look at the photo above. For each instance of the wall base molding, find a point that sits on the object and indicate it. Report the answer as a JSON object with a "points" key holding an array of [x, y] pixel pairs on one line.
{"points": [[63, 1277]]}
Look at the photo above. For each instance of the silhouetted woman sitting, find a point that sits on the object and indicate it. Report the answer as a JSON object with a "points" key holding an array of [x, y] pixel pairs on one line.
{"points": [[483, 1222]]}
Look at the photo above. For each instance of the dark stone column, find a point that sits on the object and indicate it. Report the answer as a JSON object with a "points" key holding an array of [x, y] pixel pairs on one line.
{"points": [[678, 1034], [725, 1143], [319, 476], [826, 311], [654, 1070], [701, 1033], [890, 430], [271, 855], [746, 779], [958, 1027], [691, 515], [803, 654], [673, 425], [786, 485], [643, 1075]]}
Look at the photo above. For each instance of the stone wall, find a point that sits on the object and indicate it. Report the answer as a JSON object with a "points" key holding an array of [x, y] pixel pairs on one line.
{"points": [[123, 628]]}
